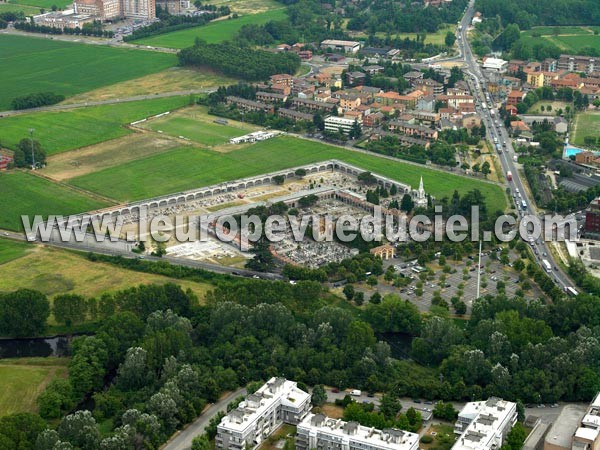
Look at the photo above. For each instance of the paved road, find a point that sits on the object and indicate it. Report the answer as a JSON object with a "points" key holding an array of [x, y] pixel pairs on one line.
{"points": [[182, 440], [497, 132]]}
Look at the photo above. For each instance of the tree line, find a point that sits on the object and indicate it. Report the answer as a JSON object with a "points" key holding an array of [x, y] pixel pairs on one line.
{"points": [[36, 100]]}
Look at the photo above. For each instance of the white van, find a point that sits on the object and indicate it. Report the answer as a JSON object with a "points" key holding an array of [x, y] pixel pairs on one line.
{"points": [[356, 393]]}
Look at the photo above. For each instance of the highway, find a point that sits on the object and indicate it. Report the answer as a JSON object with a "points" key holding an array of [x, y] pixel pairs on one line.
{"points": [[498, 133]]}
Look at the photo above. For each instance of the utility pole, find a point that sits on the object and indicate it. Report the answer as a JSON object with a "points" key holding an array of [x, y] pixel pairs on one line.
{"points": [[479, 271], [31, 130]]}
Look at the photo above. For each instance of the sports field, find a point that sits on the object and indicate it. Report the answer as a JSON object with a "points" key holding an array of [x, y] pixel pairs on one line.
{"points": [[217, 31], [55, 271], [570, 39], [58, 131], [586, 124], [32, 64], [196, 125], [24, 379], [10, 250], [46, 4], [23, 193], [188, 168]]}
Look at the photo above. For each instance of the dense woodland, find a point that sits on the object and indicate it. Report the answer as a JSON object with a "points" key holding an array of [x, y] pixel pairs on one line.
{"points": [[529, 13], [243, 63]]}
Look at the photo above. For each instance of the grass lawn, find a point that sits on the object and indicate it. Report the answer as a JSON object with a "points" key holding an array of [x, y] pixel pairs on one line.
{"points": [[55, 271], [217, 31], [188, 168], [46, 4], [195, 124], [23, 193], [271, 443], [437, 38], [170, 80], [555, 106], [27, 10], [247, 6], [32, 64], [59, 131], [10, 250], [576, 43], [23, 379], [586, 124]]}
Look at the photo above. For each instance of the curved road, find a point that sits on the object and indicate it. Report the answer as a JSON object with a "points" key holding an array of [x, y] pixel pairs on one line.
{"points": [[182, 440]]}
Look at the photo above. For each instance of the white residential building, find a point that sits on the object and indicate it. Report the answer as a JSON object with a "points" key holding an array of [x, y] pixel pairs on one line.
{"points": [[484, 425], [276, 402], [335, 124], [320, 432]]}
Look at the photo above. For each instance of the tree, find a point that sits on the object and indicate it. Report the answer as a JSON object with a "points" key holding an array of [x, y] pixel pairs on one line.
{"points": [[201, 443], [80, 429], [355, 130], [349, 292], [515, 438], [407, 203], [319, 396], [450, 39], [69, 309], [22, 156], [445, 411], [372, 280], [389, 406], [367, 178], [300, 173], [279, 179], [375, 298], [23, 313], [485, 168]]}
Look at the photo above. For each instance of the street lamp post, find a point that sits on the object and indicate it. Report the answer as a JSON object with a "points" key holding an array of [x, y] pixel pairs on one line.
{"points": [[31, 130]]}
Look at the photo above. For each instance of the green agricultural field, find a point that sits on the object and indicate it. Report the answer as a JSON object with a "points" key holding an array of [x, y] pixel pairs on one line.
{"points": [[23, 193], [188, 168], [570, 39], [33, 64], [586, 124], [10, 250], [217, 31], [46, 4], [27, 10], [59, 131], [24, 379]]}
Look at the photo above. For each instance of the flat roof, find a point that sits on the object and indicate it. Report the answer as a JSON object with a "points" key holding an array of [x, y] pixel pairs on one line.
{"points": [[564, 427], [389, 438]]}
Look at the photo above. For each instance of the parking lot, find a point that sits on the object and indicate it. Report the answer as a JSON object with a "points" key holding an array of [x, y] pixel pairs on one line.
{"points": [[461, 281]]}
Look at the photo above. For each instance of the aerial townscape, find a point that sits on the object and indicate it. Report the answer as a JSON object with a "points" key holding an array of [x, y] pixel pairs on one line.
{"points": [[300, 225]]}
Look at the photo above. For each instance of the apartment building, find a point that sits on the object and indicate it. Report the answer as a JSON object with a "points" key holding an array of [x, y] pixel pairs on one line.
{"points": [[294, 115], [408, 129], [116, 9], [248, 105], [577, 63], [270, 97], [319, 432], [276, 402], [483, 425], [335, 124]]}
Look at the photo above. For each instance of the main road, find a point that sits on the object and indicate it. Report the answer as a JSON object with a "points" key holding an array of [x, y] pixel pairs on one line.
{"points": [[498, 134]]}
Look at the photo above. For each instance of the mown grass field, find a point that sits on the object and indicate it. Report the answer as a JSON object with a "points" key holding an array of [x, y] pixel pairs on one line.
{"points": [[24, 379], [26, 194], [46, 4], [195, 124], [586, 124], [31, 64], [10, 250], [437, 38], [217, 31], [54, 271], [188, 168], [569, 39], [58, 131], [11, 7]]}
